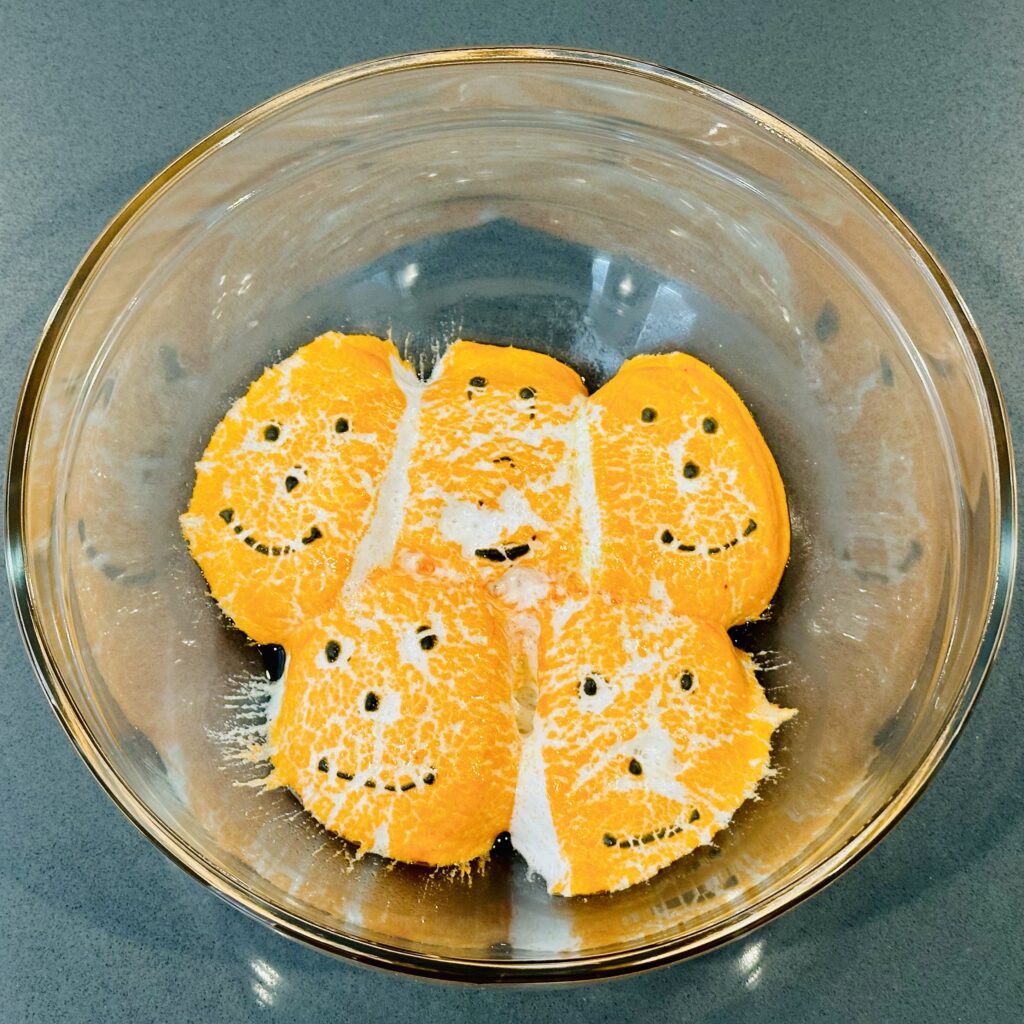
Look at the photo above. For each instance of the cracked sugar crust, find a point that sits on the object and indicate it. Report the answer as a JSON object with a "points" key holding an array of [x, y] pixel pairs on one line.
{"points": [[396, 728], [288, 483], [690, 497], [491, 476], [652, 730]]}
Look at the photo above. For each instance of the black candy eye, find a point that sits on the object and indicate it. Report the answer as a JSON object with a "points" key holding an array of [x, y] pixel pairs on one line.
{"points": [[290, 483], [527, 393], [478, 382], [590, 686], [341, 425], [371, 702], [635, 767], [710, 425], [271, 433], [686, 681], [428, 642], [690, 470], [648, 415], [332, 650]]}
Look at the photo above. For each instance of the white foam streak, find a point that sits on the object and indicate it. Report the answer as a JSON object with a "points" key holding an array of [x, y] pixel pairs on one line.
{"points": [[472, 527], [533, 828], [378, 543], [586, 492]]}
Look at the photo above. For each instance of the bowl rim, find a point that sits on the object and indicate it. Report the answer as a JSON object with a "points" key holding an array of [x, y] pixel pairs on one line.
{"points": [[543, 969]]}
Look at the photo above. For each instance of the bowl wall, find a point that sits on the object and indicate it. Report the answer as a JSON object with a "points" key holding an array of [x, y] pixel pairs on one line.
{"points": [[592, 208]]}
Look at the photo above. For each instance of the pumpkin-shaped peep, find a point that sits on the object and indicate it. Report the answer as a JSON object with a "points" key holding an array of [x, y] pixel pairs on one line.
{"points": [[491, 477], [289, 480], [690, 497], [396, 727], [651, 730]]}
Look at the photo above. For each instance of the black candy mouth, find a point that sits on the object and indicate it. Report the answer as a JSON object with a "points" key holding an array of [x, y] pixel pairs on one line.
{"points": [[427, 778], [506, 553], [669, 539], [612, 841], [312, 535]]}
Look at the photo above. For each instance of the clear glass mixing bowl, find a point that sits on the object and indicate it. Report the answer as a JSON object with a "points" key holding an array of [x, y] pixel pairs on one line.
{"points": [[593, 207]]}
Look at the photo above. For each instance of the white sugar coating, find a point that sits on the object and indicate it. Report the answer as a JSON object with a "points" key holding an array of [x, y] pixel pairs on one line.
{"points": [[564, 611], [521, 590], [521, 587], [677, 455], [412, 652], [378, 543], [605, 691], [380, 843], [275, 692], [410, 563], [347, 647], [471, 527], [585, 490], [388, 711], [775, 716], [654, 747], [533, 827]]}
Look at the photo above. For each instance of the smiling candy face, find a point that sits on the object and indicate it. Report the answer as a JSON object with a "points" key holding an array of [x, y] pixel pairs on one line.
{"points": [[491, 477], [651, 731], [689, 493], [396, 728], [289, 480]]}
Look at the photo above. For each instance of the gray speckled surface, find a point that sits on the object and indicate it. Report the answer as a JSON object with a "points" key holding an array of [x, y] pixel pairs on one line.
{"points": [[925, 98]]}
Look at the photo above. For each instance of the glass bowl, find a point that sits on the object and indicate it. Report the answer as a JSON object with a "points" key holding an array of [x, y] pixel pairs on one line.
{"points": [[592, 207]]}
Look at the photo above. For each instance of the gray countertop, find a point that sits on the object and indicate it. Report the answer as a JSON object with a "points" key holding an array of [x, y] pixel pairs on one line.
{"points": [[925, 98]]}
